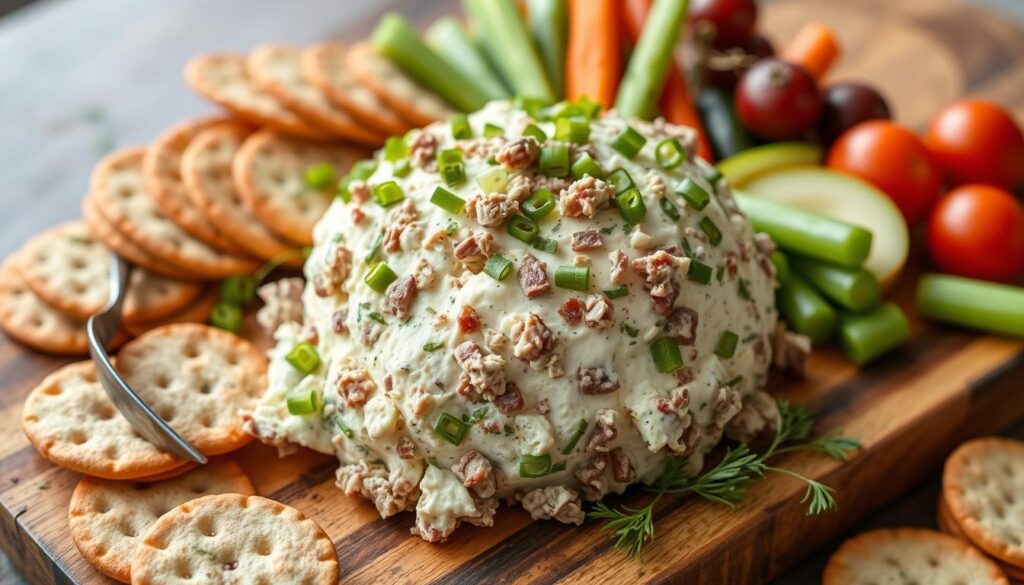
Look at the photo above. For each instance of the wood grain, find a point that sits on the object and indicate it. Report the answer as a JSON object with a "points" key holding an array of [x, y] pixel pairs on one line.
{"points": [[909, 409]]}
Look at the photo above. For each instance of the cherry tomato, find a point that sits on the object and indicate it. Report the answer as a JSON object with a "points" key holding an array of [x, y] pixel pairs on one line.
{"points": [[725, 68], [978, 142], [849, 104], [777, 100], [978, 231], [732, 21], [894, 160]]}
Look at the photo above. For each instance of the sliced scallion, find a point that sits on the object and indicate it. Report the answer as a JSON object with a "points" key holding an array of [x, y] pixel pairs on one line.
{"points": [[498, 267], [668, 208], [573, 277], [538, 205], [451, 428], [522, 228], [631, 205], [707, 225], [402, 168], [621, 180], [301, 402], [319, 176], [629, 142], [574, 439], [395, 149], [532, 466], [586, 165], [344, 428], [460, 127], [453, 174], [554, 160], [574, 129], [726, 345], [699, 272], [227, 316], [303, 357], [669, 153], [694, 195], [491, 130], [380, 276], [665, 352], [535, 131], [388, 193], [375, 248], [360, 171], [545, 245], [617, 292], [493, 180], [448, 156], [447, 200]]}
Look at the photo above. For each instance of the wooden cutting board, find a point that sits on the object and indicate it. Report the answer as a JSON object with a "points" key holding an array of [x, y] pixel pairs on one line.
{"points": [[909, 410]]}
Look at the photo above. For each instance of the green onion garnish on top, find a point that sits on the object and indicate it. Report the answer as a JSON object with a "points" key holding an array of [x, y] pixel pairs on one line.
{"points": [[493, 180], [545, 245], [575, 130], [451, 228], [711, 231], [447, 200], [460, 126], [227, 316], [538, 205], [726, 346], [699, 272], [301, 402], [720, 273], [713, 176], [621, 180], [617, 292], [303, 357], [319, 176], [451, 428], [522, 228], [631, 205], [238, 289], [449, 156], [395, 149], [535, 131], [491, 130], [665, 352], [586, 165], [498, 267], [743, 289], [375, 248], [388, 193], [344, 428], [360, 171], [694, 195], [402, 168], [433, 346], [574, 439], [573, 277], [531, 466], [668, 208], [554, 160], [379, 277], [375, 316], [629, 330], [629, 142], [669, 153], [453, 174]]}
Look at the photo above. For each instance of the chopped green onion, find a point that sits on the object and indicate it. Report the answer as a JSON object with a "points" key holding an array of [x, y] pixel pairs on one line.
{"points": [[575, 130], [493, 180], [375, 248], [303, 357], [449, 156], [694, 195], [226, 316], [535, 131], [687, 249], [620, 180], [720, 273], [631, 205], [629, 142], [554, 160], [433, 346], [476, 416], [388, 193], [344, 428], [460, 126], [630, 330], [586, 165], [573, 277], [453, 174], [302, 402], [319, 176], [710, 230], [699, 272], [380, 276], [491, 131], [447, 201], [712, 175], [522, 228], [498, 267], [586, 106], [538, 205], [360, 171], [743, 289], [395, 149], [545, 245], [375, 316], [669, 153], [617, 292], [665, 352], [668, 208], [402, 168], [530, 104], [238, 289], [531, 466], [451, 429], [726, 346], [574, 439], [451, 228]]}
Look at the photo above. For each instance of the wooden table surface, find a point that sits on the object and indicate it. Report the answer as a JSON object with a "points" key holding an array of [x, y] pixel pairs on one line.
{"points": [[79, 77]]}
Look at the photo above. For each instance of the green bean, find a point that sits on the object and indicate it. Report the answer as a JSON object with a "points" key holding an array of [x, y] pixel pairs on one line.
{"points": [[805, 310], [451, 42], [987, 306], [652, 56], [781, 263], [807, 233], [867, 336], [855, 289], [498, 24], [398, 41], [548, 21]]}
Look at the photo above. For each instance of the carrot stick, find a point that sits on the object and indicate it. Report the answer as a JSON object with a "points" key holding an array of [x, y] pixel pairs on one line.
{"points": [[675, 102], [594, 53], [815, 48]]}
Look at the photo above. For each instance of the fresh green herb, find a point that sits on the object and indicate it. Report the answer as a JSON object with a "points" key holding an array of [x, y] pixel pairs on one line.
{"points": [[726, 345], [574, 439], [319, 176], [545, 245], [586, 165], [538, 205], [302, 402], [535, 131], [374, 315], [669, 153], [522, 228], [573, 277], [532, 466], [460, 126], [395, 149], [498, 267], [375, 248], [621, 180], [720, 273], [344, 428], [476, 416], [699, 272], [629, 142], [492, 131], [433, 346], [629, 330], [388, 193], [360, 171], [379, 277], [665, 352], [687, 248], [303, 357], [451, 429], [735, 381], [617, 292], [668, 209], [451, 228], [743, 289], [447, 200]]}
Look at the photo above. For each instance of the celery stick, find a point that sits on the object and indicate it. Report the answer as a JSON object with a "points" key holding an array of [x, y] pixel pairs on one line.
{"points": [[645, 74], [509, 46], [855, 289], [977, 304], [395, 39], [781, 263], [805, 310], [548, 20], [450, 41], [807, 233], [866, 336]]}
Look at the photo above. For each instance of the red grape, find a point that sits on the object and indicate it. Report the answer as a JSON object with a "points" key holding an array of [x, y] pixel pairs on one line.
{"points": [[778, 100], [725, 68], [849, 104], [732, 20]]}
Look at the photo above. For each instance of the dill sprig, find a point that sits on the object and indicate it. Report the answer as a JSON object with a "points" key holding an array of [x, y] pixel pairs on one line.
{"points": [[727, 482]]}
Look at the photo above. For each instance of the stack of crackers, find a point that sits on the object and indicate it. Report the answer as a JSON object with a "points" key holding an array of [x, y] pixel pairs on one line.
{"points": [[980, 513]]}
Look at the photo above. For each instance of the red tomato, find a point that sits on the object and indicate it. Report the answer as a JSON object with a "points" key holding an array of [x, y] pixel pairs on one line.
{"points": [[777, 100], [894, 160], [978, 142], [978, 231]]}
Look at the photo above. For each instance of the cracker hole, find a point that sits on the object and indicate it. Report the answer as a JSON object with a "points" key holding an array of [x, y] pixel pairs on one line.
{"points": [[190, 350], [36, 321], [101, 506], [79, 288], [104, 412], [52, 390], [124, 192], [263, 547], [205, 387], [127, 529], [78, 263], [206, 419], [78, 437], [166, 412], [200, 488], [112, 452], [204, 524], [100, 551], [182, 568], [932, 561], [162, 381]]}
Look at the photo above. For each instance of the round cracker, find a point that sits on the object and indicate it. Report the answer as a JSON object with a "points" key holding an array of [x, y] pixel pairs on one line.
{"points": [[948, 524], [206, 169], [29, 321], [983, 484], [161, 170], [269, 172], [276, 70], [196, 378], [395, 88], [101, 229], [171, 474], [198, 311], [223, 79], [70, 420], [69, 270], [324, 66], [243, 539], [909, 555], [119, 194], [108, 518]]}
